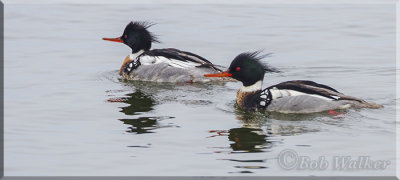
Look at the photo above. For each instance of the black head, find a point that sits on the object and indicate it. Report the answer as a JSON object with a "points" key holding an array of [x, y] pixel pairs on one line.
{"points": [[247, 68], [136, 36]]}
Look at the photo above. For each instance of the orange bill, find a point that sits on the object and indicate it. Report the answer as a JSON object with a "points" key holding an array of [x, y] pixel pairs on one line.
{"points": [[118, 39], [223, 74]]}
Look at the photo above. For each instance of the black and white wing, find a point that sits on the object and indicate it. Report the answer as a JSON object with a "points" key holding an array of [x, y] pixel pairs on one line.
{"points": [[310, 88], [175, 58]]}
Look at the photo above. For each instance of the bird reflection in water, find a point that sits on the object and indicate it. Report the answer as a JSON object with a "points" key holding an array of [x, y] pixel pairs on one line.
{"points": [[250, 137], [146, 124], [139, 103], [259, 133], [247, 140]]}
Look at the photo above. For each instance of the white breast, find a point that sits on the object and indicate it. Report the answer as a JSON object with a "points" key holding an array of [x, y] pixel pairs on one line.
{"points": [[135, 55]]}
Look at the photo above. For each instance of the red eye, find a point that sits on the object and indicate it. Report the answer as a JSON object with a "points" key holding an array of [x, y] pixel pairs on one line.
{"points": [[238, 69]]}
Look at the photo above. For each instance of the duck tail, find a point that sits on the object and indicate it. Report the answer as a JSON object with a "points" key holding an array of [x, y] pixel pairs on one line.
{"points": [[365, 104]]}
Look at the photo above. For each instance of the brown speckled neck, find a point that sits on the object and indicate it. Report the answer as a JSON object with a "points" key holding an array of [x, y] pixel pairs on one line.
{"points": [[248, 100], [127, 60]]}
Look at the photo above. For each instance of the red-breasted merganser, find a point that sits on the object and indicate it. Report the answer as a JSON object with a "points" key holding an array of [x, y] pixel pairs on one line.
{"points": [[160, 65], [299, 96]]}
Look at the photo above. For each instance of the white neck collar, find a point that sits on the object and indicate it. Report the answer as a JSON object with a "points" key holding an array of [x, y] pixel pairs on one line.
{"points": [[255, 87], [135, 55]]}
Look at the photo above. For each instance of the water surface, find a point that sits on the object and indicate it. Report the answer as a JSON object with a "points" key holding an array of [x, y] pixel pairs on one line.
{"points": [[68, 113]]}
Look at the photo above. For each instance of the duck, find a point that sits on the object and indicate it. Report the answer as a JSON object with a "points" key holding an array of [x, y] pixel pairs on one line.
{"points": [[296, 96], [160, 65]]}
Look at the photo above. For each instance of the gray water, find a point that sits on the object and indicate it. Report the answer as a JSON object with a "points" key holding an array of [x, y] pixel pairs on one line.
{"points": [[67, 113]]}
